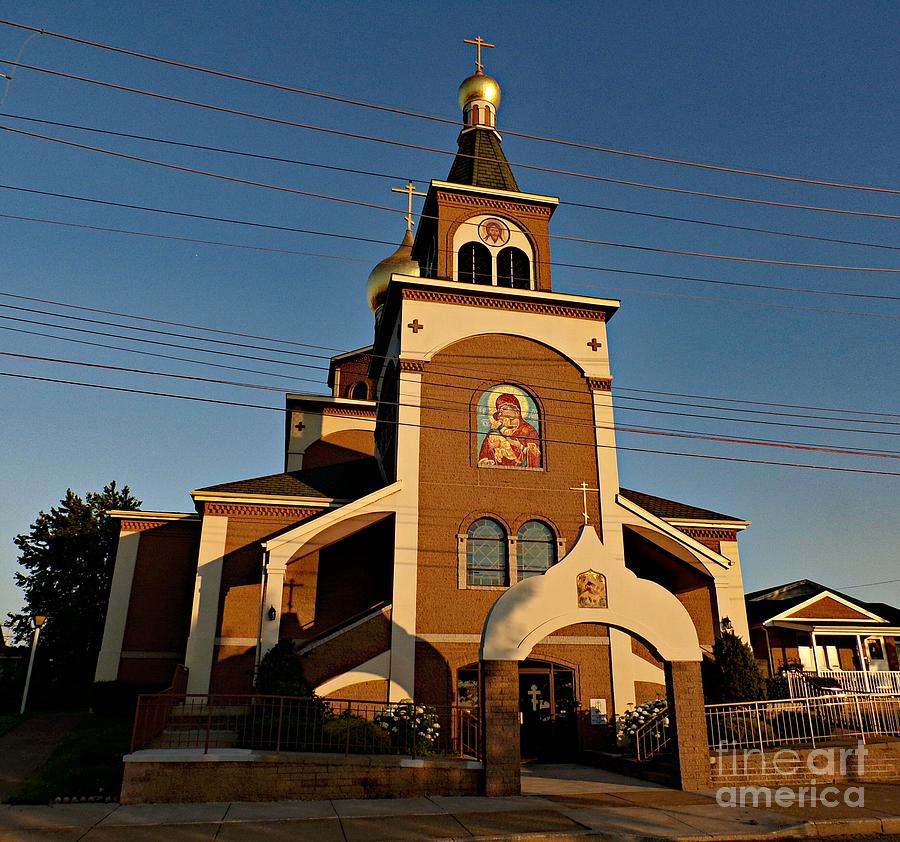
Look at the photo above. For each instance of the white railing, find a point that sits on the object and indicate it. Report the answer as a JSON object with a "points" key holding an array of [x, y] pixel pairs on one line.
{"points": [[850, 681], [811, 720], [653, 736], [857, 681]]}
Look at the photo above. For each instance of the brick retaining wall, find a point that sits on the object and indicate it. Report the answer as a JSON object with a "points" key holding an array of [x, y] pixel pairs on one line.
{"points": [[791, 767], [171, 776]]}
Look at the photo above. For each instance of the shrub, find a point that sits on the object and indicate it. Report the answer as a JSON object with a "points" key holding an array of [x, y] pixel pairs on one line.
{"points": [[412, 728], [740, 730], [281, 672], [734, 675], [777, 687], [628, 723], [358, 735], [797, 724], [296, 725]]}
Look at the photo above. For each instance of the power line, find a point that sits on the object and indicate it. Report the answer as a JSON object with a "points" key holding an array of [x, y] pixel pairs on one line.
{"points": [[395, 177], [124, 389], [373, 206], [204, 328], [456, 375], [430, 149], [407, 113], [556, 263], [570, 421]]}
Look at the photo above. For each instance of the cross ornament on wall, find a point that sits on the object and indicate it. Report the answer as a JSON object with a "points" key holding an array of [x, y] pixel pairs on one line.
{"points": [[410, 191], [478, 42], [415, 327], [583, 488], [594, 344]]}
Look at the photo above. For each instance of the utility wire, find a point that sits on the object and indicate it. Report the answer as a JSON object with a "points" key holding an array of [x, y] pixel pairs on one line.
{"points": [[443, 373], [421, 148], [425, 181], [340, 351], [407, 113], [444, 429], [307, 231], [374, 206], [542, 387], [444, 405]]}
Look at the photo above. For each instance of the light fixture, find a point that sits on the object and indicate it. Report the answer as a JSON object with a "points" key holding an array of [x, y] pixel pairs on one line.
{"points": [[271, 613], [39, 620], [727, 625]]}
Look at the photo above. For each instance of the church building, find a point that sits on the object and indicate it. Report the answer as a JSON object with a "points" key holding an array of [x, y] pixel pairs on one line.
{"points": [[454, 502]]}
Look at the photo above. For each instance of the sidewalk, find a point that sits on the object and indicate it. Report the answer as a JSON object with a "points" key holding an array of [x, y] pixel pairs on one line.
{"points": [[583, 806], [28, 745]]}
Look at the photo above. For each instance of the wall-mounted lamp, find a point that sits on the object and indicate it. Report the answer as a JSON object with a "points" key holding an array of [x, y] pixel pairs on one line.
{"points": [[271, 613], [39, 620], [727, 625]]}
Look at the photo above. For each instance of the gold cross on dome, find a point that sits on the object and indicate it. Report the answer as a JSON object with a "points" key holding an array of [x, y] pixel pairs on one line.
{"points": [[478, 42], [583, 488], [410, 191]]}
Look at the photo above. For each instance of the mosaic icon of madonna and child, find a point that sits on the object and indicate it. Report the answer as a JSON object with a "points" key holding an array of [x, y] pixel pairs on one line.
{"points": [[509, 429]]}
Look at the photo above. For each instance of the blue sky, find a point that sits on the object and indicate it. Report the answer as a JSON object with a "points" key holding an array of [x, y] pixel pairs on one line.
{"points": [[805, 89]]}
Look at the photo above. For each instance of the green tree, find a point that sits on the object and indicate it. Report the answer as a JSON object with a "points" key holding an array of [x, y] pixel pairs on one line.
{"points": [[68, 558], [734, 675]]}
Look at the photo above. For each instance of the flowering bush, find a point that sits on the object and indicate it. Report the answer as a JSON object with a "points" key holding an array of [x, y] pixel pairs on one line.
{"points": [[634, 717], [413, 728]]}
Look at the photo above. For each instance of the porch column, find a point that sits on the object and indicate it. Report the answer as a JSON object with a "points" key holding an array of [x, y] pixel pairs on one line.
{"points": [[271, 596], [812, 637], [684, 688], [500, 730], [862, 662]]}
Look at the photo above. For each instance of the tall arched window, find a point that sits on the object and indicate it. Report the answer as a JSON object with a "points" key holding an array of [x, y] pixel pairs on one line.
{"points": [[474, 264], [513, 269], [486, 554], [535, 549]]}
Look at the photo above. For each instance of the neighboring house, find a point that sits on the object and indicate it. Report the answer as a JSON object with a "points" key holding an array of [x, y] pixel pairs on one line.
{"points": [[462, 473], [806, 626]]}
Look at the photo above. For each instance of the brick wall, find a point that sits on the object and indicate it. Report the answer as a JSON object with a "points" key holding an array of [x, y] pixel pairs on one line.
{"points": [[280, 777], [790, 767]]}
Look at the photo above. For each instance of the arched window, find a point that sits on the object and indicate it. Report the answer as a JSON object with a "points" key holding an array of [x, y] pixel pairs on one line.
{"points": [[486, 554], [474, 264], [476, 115], [359, 391], [535, 549], [513, 269]]}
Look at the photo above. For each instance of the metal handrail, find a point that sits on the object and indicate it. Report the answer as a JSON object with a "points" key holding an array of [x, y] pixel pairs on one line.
{"points": [[653, 736]]}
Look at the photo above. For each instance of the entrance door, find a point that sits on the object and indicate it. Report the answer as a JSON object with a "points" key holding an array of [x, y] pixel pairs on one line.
{"points": [[547, 711]]}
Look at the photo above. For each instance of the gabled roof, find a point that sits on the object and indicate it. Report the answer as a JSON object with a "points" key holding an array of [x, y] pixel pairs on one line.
{"points": [[764, 604], [480, 161], [672, 509], [344, 481]]}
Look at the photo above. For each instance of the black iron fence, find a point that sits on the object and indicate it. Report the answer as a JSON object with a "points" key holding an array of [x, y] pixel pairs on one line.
{"points": [[288, 723]]}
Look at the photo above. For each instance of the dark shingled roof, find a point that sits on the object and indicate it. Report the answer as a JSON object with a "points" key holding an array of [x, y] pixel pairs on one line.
{"points": [[761, 605], [671, 509], [346, 481], [480, 162]]}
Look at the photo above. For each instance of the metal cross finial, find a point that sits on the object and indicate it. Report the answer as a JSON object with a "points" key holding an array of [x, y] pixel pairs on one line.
{"points": [[410, 191], [583, 488], [478, 43]]}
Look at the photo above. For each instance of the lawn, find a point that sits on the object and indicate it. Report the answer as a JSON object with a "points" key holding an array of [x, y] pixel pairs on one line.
{"points": [[87, 763]]}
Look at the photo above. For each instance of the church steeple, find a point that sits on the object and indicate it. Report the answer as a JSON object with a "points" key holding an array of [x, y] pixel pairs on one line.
{"points": [[480, 161]]}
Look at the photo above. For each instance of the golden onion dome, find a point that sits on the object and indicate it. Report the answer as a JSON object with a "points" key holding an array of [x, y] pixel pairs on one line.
{"points": [[400, 262], [479, 86]]}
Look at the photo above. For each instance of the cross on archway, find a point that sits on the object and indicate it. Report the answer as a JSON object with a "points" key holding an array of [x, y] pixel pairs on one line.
{"points": [[594, 344], [478, 42], [300, 426], [583, 488], [415, 327], [410, 191]]}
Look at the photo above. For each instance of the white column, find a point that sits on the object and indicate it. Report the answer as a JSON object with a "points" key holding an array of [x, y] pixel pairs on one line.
{"points": [[406, 543], [117, 610], [205, 612], [274, 592], [621, 659], [610, 527], [812, 637]]}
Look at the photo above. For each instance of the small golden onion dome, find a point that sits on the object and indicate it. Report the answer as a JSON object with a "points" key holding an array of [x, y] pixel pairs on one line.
{"points": [[479, 86], [400, 262]]}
